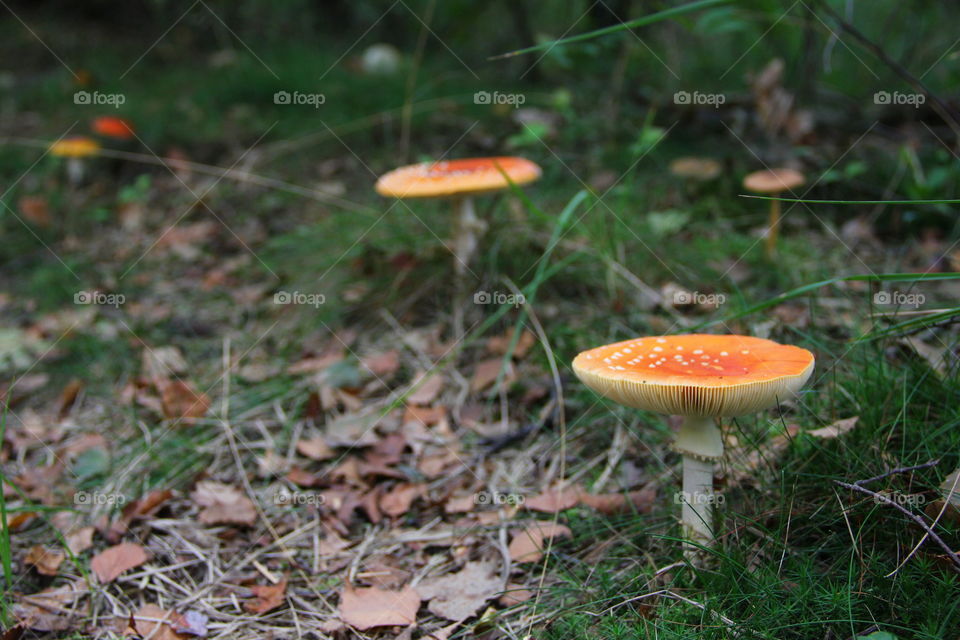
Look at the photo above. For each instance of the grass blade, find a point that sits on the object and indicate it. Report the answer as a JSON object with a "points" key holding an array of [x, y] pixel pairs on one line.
{"points": [[630, 24]]}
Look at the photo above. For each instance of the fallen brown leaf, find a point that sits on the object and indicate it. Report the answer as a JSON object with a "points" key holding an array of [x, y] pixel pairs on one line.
{"points": [[514, 594], [113, 561], [609, 503], [382, 365], [554, 500], [150, 621], [68, 397], [36, 210], [80, 540], [366, 608], [460, 595], [487, 371], [528, 544], [223, 504], [181, 402], [397, 501], [50, 609], [315, 448], [46, 561], [500, 344], [428, 391], [836, 429], [267, 597]]}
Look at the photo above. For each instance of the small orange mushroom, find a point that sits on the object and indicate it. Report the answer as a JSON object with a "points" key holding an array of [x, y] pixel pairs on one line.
{"points": [[75, 149], [113, 127], [460, 180], [773, 182]]}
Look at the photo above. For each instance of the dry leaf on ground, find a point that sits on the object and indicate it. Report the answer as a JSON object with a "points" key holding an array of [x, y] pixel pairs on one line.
{"points": [[528, 544], [397, 501], [80, 540], [267, 597], [554, 500], [428, 391], [110, 563], [315, 448], [46, 561], [180, 401], [514, 594], [366, 608], [609, 503], [487, 371], [223, 504], [460, 595], [153, 622], [836, 429], [50, 609]]}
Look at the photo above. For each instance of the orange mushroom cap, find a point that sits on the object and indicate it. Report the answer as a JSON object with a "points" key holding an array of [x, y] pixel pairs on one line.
{"points": [[773, 180], [695, 374], [74, 147], [113, 127], [456, 177]]}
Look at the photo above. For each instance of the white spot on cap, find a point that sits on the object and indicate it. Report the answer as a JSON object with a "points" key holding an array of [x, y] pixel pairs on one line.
{"points": [[724, 353], [658, 348]]}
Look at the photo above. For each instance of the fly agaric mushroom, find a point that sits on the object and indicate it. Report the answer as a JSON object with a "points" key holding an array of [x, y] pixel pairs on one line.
{"points": [[75, 149], [773, 182], [699, 169], [700, 377], [112, 127], [459, 180]]}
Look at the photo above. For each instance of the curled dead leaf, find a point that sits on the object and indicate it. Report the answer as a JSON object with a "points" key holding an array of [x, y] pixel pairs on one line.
{"points": [[366, 608], [528, 544], [223, 504], [267, 597], [113, 561]]}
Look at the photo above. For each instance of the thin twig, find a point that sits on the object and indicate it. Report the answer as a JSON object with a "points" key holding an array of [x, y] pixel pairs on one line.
{"points": [[920, 522], [916, 467]]}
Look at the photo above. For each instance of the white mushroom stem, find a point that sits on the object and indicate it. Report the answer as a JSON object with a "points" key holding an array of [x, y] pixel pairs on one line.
{"points": [[465, 243], [697, 503], [469, 227], [700, 442], [74, 171]]}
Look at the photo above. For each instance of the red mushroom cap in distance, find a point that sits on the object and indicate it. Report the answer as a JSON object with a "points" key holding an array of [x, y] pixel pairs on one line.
{"points": [[112, 127], [456, 177], [696, 374]]}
